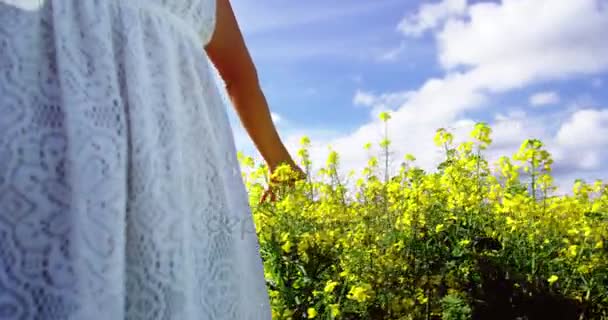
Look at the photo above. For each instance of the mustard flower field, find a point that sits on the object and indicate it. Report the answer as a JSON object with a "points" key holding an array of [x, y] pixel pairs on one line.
{"points": [[469, 240]]}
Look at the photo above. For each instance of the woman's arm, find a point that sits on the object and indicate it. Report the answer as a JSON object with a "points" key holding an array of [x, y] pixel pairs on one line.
{"points": [[228, 52]]}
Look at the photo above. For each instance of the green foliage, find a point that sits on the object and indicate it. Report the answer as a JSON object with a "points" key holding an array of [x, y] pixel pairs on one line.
{"points": [[455, 308], [461, 241]]}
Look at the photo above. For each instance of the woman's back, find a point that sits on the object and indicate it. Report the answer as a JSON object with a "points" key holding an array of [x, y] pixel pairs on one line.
{"points": [[120, 195]]}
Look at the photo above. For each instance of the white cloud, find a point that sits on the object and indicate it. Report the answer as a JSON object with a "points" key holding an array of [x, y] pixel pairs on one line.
{"points": [[544, 98], [364, 99], [589, 160], [576, 155], [430, 16], [511, 114], [586, 128], [503, 47], [392, 54], [485, 49], [527, 40], [380, 103]]}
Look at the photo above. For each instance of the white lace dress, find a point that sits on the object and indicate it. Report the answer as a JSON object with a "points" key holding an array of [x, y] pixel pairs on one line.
{"points": [[120, 194]]}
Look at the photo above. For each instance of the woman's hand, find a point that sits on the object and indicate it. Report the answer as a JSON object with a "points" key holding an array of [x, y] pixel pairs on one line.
{"points": [[295, 174]]}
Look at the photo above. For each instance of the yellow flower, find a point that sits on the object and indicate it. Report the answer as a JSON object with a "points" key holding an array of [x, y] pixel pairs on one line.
{"points": [[464, 242], [305, 141], [385, 116], [587, 231], [311, 313], [329, 287], [284, 236], [359, 294], [273, 293], [334, 310], [399, 245], [583, 269], [286, 246], [572, 250], [409, 157], [552, 279]]}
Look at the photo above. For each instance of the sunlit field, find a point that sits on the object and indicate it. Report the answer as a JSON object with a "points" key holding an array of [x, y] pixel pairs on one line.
{"points": [[469, 240]]}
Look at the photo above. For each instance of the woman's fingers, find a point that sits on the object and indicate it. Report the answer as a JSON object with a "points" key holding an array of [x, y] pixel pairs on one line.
{"points": [[264, 196], [269, 196], [276, 182]]}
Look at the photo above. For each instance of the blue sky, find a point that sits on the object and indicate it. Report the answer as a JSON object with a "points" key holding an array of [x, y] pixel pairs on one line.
{"points": [[530, 68], [313, 59]]}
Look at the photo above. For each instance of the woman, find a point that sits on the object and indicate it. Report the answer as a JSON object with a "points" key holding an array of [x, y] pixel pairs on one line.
{"points": [[120, 194]]}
